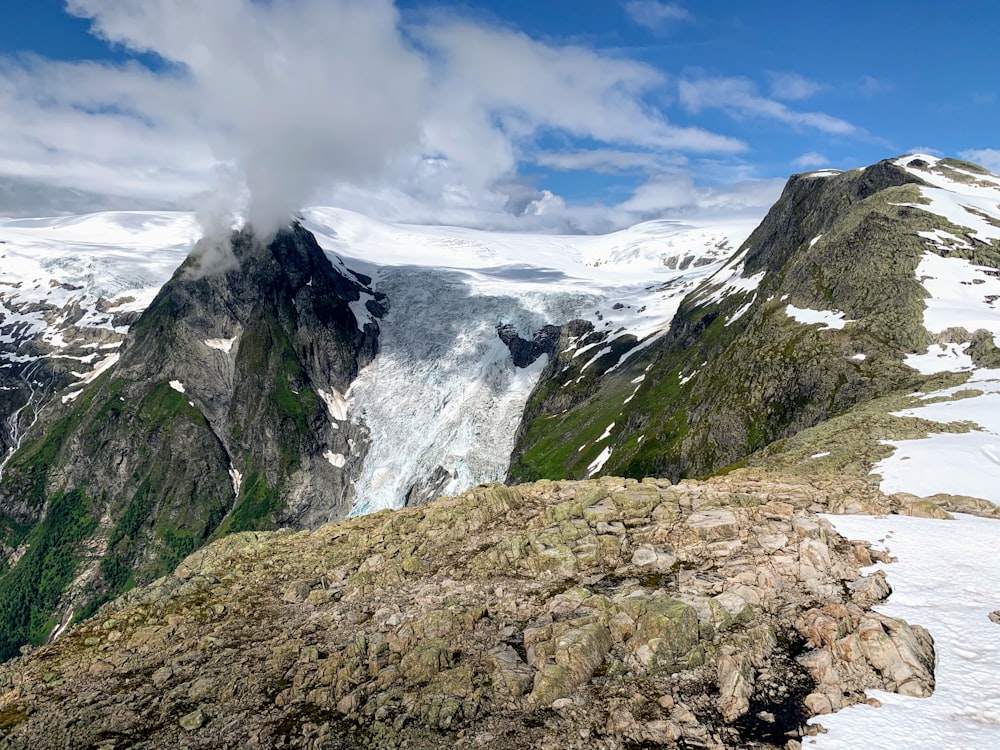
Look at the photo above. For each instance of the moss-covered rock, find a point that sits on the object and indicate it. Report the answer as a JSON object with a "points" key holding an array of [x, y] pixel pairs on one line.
{"points": [[334, 639]]}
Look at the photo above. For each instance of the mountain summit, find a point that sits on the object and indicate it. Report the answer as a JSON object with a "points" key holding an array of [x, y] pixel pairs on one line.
{"points": [[221, 415]]}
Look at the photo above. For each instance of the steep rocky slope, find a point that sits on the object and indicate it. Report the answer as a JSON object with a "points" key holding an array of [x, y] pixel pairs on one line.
{"points": [[608, 613], [220, 415], [820, 310]]}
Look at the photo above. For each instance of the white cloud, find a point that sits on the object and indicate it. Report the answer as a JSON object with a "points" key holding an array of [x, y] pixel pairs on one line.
{"points": [[987, 157], [811, 159], [739, 98], [656, 16], [278, 87], [76, 125], [607, 161], [284, 101], [520, 207], [678, 196], [792, 87], [531, 85]]}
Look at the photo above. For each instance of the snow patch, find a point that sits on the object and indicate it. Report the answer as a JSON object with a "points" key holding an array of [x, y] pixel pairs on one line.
{"points": [[177, 386], [944, 581], [826, 319], [964, 207], [940, 358], [338, 460], [607, 433], [961, 464], [824, 454], [598, 463], [822, 173], [237, 479], [89, 377], [735, 283], [961, 294], [360, 310], [741, 312], [223, 345], [335, 402]]}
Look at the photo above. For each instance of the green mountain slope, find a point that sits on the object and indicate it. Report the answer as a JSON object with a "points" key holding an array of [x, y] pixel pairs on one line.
{"points": [[744, 364]]}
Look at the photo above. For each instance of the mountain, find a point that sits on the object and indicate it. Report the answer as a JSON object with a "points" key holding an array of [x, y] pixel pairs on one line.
{"points": [[821, 309], [219, 414], [838, 357], [70, 288]]}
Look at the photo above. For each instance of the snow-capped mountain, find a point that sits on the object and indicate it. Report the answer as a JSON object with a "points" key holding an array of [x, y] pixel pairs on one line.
{"points": [[69, 289]]}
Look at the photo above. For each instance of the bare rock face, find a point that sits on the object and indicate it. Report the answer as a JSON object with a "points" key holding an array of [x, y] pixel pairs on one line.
{"points": [[597, 614]]}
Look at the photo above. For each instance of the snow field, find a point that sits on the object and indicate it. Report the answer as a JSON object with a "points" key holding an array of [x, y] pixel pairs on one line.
{"points": [[945, 580]]}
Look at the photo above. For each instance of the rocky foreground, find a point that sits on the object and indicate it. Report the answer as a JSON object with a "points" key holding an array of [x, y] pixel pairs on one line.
{"points": [[595, 614]]}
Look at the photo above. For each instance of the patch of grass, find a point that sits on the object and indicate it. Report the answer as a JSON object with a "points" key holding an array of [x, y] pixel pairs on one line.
{"points": [[968, 166], [256, 508], [162, 405]]}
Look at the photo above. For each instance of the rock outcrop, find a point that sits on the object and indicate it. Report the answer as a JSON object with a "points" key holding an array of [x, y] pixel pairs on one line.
{"points": [[599, 614]]}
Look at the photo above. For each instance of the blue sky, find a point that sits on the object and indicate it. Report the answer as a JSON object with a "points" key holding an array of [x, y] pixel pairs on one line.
{"points": [[556, 115]]}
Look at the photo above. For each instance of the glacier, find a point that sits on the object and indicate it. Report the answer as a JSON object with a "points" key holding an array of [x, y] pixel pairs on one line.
{"points": [[442, 402], [443, 398]]}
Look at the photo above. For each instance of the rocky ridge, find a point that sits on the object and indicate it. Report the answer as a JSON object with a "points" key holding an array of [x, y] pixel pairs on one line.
{"points": [[598, 614], [744, 364]]}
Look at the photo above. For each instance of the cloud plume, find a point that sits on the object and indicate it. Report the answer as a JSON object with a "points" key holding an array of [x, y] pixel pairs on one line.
{"points": [[290, 93]]}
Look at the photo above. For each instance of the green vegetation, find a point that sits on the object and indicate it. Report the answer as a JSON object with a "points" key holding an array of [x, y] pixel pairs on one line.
{"points": [[162, 405], [968, 166], [30, 591], [269, 366], [763, 376], [852, 443], [27, 471], [256, 508]]}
